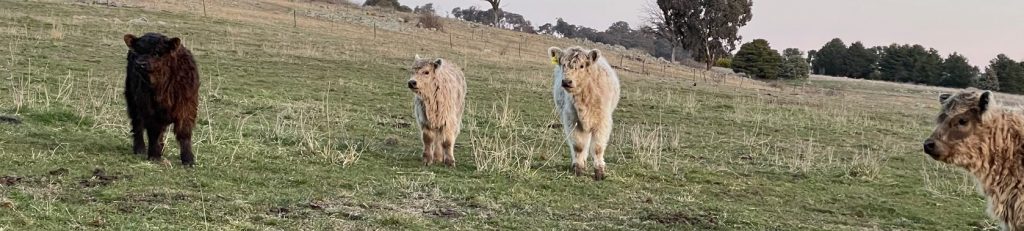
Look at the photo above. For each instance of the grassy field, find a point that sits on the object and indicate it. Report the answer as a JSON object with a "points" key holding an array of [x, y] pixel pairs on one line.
{"points": [[305, 123]]}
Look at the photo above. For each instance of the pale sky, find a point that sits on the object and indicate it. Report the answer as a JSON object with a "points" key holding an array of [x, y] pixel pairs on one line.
{"points": [[977, 29]]}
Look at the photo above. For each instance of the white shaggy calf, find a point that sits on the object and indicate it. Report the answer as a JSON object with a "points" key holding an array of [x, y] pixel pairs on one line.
{"points": [[440, 92], [586, 92]]}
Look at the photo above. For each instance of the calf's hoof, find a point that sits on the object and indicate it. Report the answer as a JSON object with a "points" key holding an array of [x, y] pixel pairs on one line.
{"points": [[450, 162], [138, 150], [577, 169], [598, 173], [427, 161]]}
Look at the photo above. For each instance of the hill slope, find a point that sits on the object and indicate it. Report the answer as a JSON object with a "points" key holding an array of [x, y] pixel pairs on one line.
{"points": [[305, 123]]}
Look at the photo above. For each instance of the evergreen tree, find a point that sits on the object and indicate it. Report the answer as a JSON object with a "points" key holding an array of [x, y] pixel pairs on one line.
{"points": [[1008, 72], [831, 59], [794, 66], [861, 61], [757, 59], [957, 72], [987, 81], [906, 63]]}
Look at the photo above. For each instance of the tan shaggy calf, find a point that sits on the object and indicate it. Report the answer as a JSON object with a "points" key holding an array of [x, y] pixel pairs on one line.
{"points": [[986, 139], [586, 92], [440, 92]]}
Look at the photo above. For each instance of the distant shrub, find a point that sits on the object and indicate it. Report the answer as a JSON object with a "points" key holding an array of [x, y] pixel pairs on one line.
{"points": [[425, 9], [724, 62], [388, 4], [430, 21], [339, 2]]}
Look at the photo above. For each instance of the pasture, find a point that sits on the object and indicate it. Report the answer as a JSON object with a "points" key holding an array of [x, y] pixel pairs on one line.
{"points": [[305, 122]]}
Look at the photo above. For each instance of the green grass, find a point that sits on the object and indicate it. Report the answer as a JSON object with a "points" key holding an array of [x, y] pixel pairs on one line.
{"points": [[309, 128]]}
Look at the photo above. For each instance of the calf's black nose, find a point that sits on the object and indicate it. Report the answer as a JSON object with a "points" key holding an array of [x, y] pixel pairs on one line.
{"points": [[929, 147], [566, 83], [412, 84]]}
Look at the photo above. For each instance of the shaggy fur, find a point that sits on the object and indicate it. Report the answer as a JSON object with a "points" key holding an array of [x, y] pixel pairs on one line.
{"points": [[161, 88], [987, 140], [439, 90], [586, 92]]}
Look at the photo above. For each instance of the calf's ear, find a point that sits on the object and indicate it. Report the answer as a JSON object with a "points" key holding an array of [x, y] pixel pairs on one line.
{"points": [[594, 55], [985, 101], [129, 39], [174, 43], [556, 54], [437, 63], [944, 96]]}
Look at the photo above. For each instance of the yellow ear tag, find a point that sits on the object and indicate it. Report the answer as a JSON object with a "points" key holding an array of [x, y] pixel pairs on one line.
{"points": [[554, 60]]}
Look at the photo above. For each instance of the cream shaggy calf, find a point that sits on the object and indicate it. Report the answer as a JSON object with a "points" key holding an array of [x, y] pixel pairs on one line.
{"points": [[986, 139], [439, 90], [586, 92]]}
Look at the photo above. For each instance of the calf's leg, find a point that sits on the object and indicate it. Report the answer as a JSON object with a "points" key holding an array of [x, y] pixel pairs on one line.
{"points": [[439, 153], [183, 133], [600, 142], [156, 141], [138, 141], [428, 147], [448, 145], [581, 141]]}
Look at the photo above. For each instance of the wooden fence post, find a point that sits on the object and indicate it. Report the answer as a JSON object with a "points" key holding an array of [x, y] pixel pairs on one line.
{"points": [[520, 49], [643, 66]]}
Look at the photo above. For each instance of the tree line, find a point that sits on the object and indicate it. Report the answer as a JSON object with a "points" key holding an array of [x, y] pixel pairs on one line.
{"points": [[707, 31], [704, 29], [619, 33], [915, 64]]}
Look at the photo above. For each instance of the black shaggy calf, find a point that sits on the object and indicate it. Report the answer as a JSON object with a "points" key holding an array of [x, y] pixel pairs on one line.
{"points": [[161, 88]]}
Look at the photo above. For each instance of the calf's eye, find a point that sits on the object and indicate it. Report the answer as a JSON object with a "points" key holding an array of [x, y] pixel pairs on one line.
{"points": [[962, 122]]}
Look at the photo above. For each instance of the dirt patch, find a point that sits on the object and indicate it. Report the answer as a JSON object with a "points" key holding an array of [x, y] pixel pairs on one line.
{"points": [[10, 180], [36, 180], [445, 213], [144, 201], [6, 119], [700, 219], [395, 123], [99, 177], [59, 172], [391, 142], [281, 211], [107, 3], [161, 197], [318, 208], [7, 204], [555, 125]]}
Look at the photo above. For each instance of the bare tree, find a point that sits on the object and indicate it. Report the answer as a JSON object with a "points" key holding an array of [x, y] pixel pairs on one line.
{"points": [[711, 26], [496, 10], [662, 28]]}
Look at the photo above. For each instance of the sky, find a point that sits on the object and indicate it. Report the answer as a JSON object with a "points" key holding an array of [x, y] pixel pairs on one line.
{"points": [[977, 29]]}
